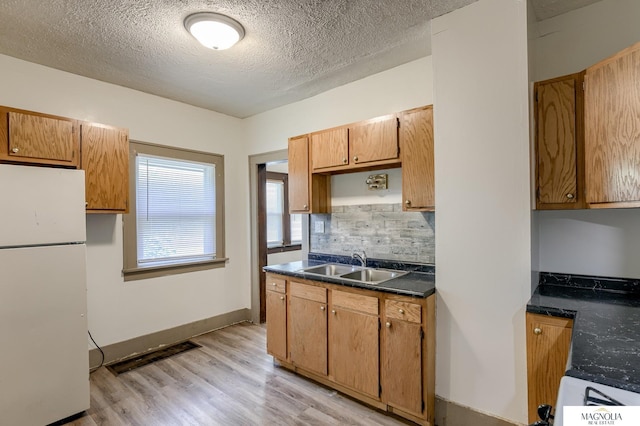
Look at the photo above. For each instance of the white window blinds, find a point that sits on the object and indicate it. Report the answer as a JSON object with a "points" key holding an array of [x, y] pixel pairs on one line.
{"points": [[275, 212], [176, 211]]}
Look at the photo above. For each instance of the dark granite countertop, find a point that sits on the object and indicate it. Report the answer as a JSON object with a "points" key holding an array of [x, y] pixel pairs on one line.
{"points": [[605, 346], [417, 283]]}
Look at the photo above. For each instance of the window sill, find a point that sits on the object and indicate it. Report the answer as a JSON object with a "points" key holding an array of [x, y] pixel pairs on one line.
{"points": [[172, 269], [282, 249]]}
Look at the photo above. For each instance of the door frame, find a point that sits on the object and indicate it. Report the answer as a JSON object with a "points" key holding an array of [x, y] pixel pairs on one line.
{"points": [[254, 161]]}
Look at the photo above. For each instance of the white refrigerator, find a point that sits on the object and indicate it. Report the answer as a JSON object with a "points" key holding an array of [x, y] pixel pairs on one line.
{"points": [[44, 360]]}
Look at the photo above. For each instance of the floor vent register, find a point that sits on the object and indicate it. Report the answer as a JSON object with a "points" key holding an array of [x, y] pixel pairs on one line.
{"points": [[151, 357]]}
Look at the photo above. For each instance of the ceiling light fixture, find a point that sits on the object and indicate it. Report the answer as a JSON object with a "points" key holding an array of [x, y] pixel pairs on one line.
{"points": [[213, 30]]}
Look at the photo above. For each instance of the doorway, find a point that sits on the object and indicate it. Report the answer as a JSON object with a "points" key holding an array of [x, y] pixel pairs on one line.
{"points": [[259, 166]]}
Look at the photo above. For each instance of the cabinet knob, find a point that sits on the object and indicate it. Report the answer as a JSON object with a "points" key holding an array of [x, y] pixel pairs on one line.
{"points": [[344, 161], [15, 150], [322, 308], [355, 158], [401, 311], [333, 311], [305, 207], [86, 204], [388, 324], [281, 297], [408, 202], [570, 196], [537, 330], [274, 284]]}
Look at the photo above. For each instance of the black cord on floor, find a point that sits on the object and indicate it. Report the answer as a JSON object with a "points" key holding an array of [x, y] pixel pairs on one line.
{"points": [[99, 348]]}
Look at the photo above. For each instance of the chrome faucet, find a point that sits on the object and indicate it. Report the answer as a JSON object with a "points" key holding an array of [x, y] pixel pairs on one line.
{"points": [[362, 258]]}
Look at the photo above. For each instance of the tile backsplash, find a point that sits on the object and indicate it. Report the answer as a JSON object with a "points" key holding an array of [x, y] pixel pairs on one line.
{"points": [[384, 231]]}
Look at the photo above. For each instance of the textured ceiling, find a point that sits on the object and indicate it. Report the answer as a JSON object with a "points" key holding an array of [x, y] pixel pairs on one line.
{"points": [[293, 49]]}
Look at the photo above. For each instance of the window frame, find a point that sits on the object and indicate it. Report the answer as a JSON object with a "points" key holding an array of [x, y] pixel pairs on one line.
{"points": [[286, 216], [131, 270]]}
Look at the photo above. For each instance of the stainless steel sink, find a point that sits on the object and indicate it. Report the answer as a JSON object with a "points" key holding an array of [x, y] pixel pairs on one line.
{"points": [[373, 276], [330, 269], [354, 273]]}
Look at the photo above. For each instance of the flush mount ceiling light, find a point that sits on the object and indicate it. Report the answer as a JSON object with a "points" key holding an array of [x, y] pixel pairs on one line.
{"points": [[213, 30]]}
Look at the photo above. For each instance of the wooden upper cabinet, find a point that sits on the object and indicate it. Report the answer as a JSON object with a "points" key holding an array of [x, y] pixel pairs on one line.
{"points": [[354, 342], [416, 148], [560, 142], [30, 137], [548, 342], [374, 140], [330, 148], [307, 193], [105, 160], [371, 143], [612, 130], [298, 154]]}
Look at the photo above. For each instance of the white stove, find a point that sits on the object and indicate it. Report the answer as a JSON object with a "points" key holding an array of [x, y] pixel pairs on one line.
{"points": [[575, 392]]}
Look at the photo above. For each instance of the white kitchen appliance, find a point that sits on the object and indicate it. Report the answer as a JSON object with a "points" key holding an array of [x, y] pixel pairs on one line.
{"points": [[575, 392], [44, 362]]}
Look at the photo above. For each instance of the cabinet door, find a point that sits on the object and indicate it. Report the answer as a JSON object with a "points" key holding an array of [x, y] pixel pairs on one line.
{"points": [[330, 148], [374, 140], [38, 138], [612, 130], [559, 142], [355, 345], [416, 149], [308, 329], [277, 324], [548, 341], [299, 175], [105, 160], [402, 368]]}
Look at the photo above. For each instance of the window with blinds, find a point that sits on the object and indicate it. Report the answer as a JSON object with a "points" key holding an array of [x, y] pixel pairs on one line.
{"points": [[176, 219], [176, 211]]}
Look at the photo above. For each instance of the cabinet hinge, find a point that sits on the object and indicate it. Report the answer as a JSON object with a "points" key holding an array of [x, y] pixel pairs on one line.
{"points": [[379, 390], [421, 333], [536, 96], [397, 122], [423, 405], [379, 325]]}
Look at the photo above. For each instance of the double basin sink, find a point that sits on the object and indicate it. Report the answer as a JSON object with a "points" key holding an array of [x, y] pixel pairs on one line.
{"points": [[364, 275]]}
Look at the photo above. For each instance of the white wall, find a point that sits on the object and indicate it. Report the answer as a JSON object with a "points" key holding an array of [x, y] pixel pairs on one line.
{"points": [[587, 242], [483, 205], [284, 257], [573, 41], [404, 87], [117, 310]]}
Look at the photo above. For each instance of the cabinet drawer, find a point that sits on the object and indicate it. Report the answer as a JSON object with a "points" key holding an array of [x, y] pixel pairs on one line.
{"points": [[403, 311], [309, 292], [355, 302], [276, 284]]}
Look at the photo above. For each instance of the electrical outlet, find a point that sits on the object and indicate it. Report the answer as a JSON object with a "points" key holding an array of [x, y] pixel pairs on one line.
{"points": [[319, 227]]}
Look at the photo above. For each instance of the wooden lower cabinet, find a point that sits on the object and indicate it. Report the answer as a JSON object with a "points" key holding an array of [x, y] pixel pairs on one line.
{"points": [[548, 342], [276, 317], [308, 327], [373, 346], [403, 364], [354, 342]]}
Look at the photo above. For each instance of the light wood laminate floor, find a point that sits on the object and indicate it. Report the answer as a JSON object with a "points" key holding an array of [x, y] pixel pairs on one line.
{"points": [[229, 381]]}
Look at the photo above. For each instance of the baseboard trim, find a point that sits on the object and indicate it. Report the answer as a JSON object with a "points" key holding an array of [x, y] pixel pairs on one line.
{"points": [[150, 342], [449, 413]]}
